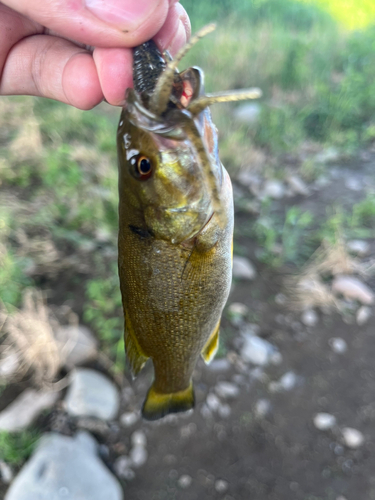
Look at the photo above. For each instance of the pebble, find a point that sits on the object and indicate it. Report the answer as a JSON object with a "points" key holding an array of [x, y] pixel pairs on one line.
{"points": [[9, 364], [358, 247], [309, 317], [213, 402], [338, 345], [221, 486], [274, 189], [6, 472], [129, 418], [353, 183], [248, 113], [298, 186], [286, 383], [328, 155], [352, 288], [281, 299], [258, 351], [25, 409], [138, 438], [220, 365], [363, 315], [262, 408], [79, 344], [185, 481], [138, 456], [92, 394], [65, 467], [352, 438], [224, 411], [243, 268], [237, 312], [324, 421], [227, 390], [122, 467]]}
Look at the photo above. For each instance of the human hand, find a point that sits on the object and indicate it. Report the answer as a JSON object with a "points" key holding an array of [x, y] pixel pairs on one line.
{"points": [[43, 45]]}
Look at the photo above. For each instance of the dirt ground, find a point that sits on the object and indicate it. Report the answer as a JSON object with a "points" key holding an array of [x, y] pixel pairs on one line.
{"points": [[280, 455]]}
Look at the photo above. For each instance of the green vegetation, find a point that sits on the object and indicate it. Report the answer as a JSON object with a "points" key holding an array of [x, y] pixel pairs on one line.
{"points": [[15, 448]]}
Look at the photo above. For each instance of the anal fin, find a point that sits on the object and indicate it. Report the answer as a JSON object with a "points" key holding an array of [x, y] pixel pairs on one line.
{"points": [[136, 357], [158, 405], [212, 345]]}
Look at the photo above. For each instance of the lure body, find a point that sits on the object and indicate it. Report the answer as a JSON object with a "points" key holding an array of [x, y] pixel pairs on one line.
{"points": [[175, 237]]}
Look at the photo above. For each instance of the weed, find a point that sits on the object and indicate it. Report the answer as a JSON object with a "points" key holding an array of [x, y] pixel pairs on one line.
{"points": [[15, 448]]}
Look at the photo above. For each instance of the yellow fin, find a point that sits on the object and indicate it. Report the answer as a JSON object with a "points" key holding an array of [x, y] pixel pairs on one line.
{"points": [[134, 353], [158, 405], [212, 345]]}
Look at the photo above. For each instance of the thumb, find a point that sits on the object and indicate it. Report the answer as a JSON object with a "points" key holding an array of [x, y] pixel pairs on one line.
{"points": [[100, 23]]}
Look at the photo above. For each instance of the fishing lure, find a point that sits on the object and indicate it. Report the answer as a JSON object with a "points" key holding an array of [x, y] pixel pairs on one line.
{"points": [[175, 224]]}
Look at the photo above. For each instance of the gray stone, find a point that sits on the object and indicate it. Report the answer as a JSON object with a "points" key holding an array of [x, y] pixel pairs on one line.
{"points": [[359, 247], [262, 408], [248, 113], [65, 467], [354, 183], [221, 485], [363, 315], [352, 438], [91, 394], [328, 155], [274, 189], [257, 350], [129, 418], [219, 365], [338, 345], [352, 288], [138, 456], [213, 402], [243, 268], [78, 344], [324, 421], [227, 390], [297, 185], [309, 317], [9, 364], [224, 411], [286, 383], [138, 438], [6, 473], [122, 466], [25, 409], [185, 481]]}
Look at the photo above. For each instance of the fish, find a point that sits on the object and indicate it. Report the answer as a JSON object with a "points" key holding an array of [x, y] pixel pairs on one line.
{"points": [[175, 241]]}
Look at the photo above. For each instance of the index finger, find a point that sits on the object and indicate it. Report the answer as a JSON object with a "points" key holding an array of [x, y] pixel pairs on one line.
{"points": [[101, 23]]}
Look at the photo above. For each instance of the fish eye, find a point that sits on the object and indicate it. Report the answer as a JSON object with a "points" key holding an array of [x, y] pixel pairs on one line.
{"points": [[142, 167]]}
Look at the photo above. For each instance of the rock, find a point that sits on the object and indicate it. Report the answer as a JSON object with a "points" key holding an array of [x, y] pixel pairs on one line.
{"points": [[25, 409], [213, 402], [78, 343], [227, 390], [363, 315], [297, 185], [6, 473], [9, 364], [243, 268], [122, 466], [286, 383], [138, 456], [92, 394], [224, 411], [338, 345], [274, 189], [358, 247], [185, 481], [129, 418], [237, 312], [352, 437], [281, 299], [309, 317], [257, 350], [328, 155], [324, 421], [221, 486], [138, 438], [248, 113], [219, 365], [354, 183], [262, 408], [352, 288], [65, 467]]}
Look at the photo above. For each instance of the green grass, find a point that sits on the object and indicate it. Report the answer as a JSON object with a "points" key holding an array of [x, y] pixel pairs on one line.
{"points": [[15, 448]]}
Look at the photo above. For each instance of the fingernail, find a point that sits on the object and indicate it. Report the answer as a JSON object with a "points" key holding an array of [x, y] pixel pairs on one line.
{"points": [[126, 14], [179, 39]]}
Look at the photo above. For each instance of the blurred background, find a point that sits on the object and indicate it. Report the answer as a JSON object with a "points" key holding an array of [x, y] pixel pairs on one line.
{"points": [[287, 408]]}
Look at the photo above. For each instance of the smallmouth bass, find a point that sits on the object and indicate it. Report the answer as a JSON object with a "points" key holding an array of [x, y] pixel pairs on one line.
{"points": [[175, 224]]}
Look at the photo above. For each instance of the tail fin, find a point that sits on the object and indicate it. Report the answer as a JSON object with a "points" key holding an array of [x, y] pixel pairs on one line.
{"points": [[158, 405]]}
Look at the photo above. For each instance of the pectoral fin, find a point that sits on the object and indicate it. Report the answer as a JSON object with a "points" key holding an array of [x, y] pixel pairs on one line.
{"points": [[212, 345], [136, 357], [158, 404]]}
